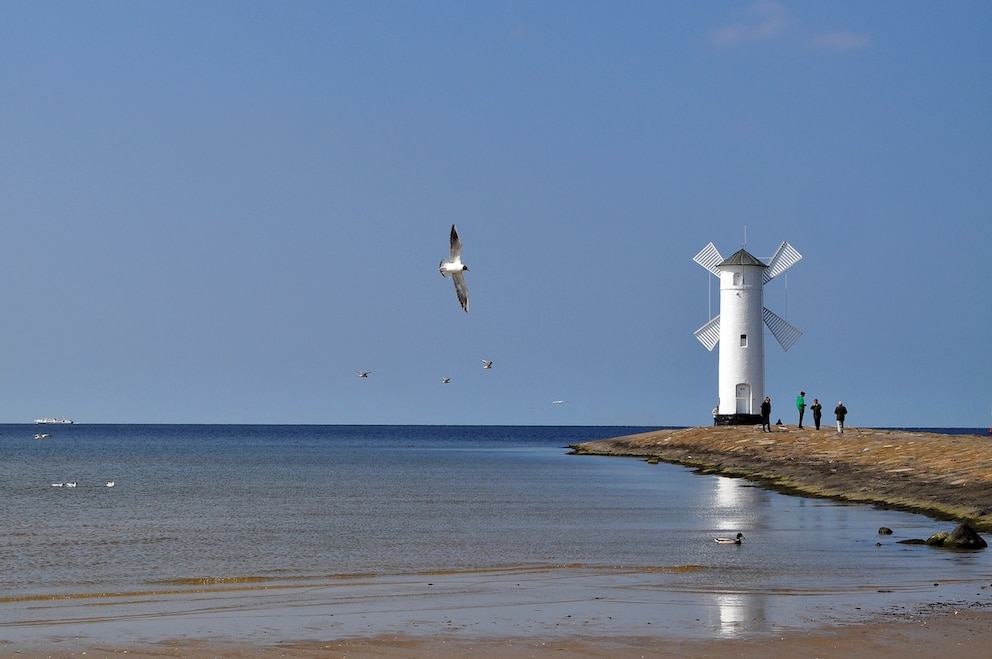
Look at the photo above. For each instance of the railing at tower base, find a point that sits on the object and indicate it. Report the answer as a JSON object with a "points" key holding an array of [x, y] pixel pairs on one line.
{"points": [[737, 419]]}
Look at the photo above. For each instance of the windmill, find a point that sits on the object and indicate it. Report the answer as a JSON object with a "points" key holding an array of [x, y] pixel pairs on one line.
{"points": [[738, 328]]}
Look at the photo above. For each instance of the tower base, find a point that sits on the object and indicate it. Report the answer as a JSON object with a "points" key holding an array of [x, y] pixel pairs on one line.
{"points": [[737, 419]]}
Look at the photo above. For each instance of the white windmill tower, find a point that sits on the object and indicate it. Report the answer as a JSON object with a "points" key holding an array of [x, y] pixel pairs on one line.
{"points": [[738, 328]]}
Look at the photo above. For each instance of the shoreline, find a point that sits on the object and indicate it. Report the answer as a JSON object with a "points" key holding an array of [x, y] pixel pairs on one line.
{"points": [[938, 632], [946, 477], [473, 618], [575, 609]]}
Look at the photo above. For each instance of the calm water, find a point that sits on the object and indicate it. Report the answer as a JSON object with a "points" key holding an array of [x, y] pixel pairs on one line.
{"points": [[303, 502]]}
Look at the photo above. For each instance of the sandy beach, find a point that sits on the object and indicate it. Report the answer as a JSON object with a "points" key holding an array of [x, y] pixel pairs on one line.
{"points": [[930, 634], [545, 611]]}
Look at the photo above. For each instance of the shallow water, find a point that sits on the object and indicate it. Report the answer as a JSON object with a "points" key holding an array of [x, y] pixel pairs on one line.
{"points": [[239, 506]]}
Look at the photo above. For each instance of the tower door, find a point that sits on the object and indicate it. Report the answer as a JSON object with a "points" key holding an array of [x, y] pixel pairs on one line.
{"points": [[743, 399]]}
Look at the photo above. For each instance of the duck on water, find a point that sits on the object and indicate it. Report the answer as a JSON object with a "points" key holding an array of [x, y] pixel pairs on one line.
{"points": [[730, 541]]}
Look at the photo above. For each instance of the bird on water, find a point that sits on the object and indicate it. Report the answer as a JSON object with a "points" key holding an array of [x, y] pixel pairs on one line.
{"points": [[730, 541]]}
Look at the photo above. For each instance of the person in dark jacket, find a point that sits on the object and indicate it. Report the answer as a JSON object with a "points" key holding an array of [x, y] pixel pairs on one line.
{"points": [[766, 414], [817, 412], [841, 413]]}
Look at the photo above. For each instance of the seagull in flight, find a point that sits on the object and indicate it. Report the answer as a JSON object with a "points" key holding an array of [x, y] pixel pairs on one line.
{"points": [[487, 363], [364, 374], [454, 267], [445, 380], [557, 402]]}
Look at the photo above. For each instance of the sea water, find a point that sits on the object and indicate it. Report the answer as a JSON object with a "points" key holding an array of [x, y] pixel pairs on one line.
{"points": [[194, 504]]}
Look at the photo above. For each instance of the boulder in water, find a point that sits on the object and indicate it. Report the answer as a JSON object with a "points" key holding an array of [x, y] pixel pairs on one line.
{"points": [[962, 537]]}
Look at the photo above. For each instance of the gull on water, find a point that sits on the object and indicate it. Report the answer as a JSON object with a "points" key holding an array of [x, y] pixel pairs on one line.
{"points": [[487, 363], [454, 267]]}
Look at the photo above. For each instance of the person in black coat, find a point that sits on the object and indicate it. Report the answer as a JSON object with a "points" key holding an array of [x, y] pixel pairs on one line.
{"points": [[817, 412], [766, 414], [841, 413]]}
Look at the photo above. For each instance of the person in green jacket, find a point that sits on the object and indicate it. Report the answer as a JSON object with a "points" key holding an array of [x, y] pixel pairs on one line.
{"points": [[801, 406]]}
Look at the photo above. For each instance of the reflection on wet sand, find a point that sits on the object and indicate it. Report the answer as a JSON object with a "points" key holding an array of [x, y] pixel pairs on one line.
{"points": [[547, 601], [734, 614]]}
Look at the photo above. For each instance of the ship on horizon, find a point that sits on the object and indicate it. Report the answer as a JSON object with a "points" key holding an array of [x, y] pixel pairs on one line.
{"points": [[52, 420]]}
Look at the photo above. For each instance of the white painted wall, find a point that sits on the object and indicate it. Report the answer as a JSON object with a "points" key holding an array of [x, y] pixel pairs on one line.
{"points": [[741, 304]]}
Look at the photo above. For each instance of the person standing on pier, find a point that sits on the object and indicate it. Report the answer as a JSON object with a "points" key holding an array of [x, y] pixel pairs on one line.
{"points": [[817, 412]]}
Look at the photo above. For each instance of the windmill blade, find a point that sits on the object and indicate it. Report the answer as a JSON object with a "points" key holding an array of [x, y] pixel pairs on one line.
{"points": [[709, 257], [709, 333], [785, 257], [786, 334]]}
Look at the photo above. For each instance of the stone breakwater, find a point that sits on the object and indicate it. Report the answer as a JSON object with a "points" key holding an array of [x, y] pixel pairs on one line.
{"points": [[943, 476]]}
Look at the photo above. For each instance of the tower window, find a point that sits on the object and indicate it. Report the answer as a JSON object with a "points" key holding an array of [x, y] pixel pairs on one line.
{"points": [[743, 340]]}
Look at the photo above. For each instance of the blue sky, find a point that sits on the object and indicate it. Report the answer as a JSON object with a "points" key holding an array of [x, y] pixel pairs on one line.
{"points": [[219, 212]]}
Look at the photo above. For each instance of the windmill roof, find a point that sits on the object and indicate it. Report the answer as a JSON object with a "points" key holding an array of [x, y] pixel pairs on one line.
{"points": [[742, 257]]}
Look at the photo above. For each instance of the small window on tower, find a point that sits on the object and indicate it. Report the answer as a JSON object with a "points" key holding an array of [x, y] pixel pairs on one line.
{"points": [[743, 340]]}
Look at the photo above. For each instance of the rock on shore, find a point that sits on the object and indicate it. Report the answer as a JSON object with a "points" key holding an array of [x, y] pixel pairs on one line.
{"points": [[944, 476]]}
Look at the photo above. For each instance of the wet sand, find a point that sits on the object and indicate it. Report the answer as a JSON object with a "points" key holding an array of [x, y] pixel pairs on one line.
{"points": [[938, 633], [547, 611]]}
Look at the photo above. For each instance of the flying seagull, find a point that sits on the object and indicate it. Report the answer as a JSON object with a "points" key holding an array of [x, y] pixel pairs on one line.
{"points": [[557, 402], [364, 374], [445, 380], [487, 363], [454, 267]]}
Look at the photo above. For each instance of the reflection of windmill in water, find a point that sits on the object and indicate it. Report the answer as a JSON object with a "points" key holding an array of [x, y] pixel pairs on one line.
{"points": [[738, 328]]}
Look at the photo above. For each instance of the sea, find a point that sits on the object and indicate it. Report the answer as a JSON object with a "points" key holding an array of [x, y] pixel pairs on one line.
{"points": [[95, 509]]}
